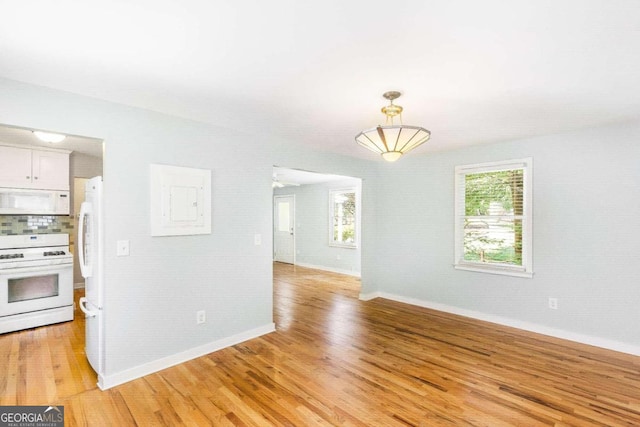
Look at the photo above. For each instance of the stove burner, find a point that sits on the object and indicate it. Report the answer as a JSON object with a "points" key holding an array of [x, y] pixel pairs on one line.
{"points": [[53, 253], [11, 256]]}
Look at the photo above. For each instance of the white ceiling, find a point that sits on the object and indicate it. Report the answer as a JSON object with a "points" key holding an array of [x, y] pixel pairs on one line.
{"points": [[470, 71]]}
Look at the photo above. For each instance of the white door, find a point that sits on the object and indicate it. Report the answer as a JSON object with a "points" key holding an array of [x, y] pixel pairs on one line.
{"points": [[283, 229]]}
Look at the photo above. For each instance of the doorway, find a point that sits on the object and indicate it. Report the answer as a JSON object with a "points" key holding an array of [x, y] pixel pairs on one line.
{"points": [[85, 161], [304, 221]]}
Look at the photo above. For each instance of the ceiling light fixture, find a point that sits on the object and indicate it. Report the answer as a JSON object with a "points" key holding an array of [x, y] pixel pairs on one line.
{"points": [[392, 141], [277, 183], [48, 136]]}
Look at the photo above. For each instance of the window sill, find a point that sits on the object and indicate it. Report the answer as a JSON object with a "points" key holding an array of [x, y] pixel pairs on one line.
{"points": [[492, 269], [345, 246]]}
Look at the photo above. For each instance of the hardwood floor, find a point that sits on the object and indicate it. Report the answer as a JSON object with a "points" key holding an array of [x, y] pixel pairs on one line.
{"points": [[335, 360]]}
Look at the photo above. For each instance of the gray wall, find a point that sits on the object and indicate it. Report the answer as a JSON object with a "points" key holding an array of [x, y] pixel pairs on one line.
{"points": [[84, 166], [586, 227], [312, 228]]}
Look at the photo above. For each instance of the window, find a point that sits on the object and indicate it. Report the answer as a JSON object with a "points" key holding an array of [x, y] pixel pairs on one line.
{"points": [[493, 218], [342, 221]]}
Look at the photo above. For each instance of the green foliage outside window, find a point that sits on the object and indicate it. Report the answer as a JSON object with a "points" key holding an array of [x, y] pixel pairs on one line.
{"points": [[492, 222], [344, 214]]}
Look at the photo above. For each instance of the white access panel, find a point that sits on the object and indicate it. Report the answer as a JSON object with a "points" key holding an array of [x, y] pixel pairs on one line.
{"points": [[180, 201]]}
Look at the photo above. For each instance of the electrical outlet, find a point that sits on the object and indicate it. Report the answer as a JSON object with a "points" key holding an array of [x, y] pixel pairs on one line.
{"points": [[553, 303], [201, 317], [122, 248]]}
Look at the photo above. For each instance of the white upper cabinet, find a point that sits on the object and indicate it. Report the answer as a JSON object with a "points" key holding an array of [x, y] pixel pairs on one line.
{"points": [[50, 170], [33, 168], [15, 167]]}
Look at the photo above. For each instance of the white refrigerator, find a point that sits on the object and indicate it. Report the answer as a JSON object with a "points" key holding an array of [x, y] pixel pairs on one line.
{"points": [[90, 258]]}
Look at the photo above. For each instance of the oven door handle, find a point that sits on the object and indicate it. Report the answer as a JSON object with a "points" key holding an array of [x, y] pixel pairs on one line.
{"points": [[85, 210], [21, 271], [85, 310]]}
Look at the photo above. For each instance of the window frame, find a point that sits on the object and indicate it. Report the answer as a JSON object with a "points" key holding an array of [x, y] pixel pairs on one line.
{"points": [[526, 269], [332, 193]]}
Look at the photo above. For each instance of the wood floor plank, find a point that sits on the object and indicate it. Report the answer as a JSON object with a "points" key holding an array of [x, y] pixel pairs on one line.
{"points": [[338, 361]]}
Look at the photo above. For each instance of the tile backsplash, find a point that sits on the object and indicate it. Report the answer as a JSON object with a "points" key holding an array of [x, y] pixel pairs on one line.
{"points": [[35, 224]]}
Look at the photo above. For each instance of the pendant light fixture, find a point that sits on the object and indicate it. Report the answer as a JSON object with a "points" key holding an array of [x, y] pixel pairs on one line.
{"points": [[390, 140]]}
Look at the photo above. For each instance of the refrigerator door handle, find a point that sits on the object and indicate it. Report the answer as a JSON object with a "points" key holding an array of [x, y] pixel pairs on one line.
{"points": [[85, 310], [85, 269]]}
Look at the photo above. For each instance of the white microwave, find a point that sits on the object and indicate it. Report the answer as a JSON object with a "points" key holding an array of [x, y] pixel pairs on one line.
{"points": [[16, 201]]}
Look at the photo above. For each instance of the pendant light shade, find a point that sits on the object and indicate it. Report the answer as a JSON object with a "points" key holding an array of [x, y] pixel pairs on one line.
{"points": [[392, 141]]}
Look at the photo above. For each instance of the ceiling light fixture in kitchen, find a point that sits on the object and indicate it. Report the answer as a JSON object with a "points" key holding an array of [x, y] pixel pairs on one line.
{"points": [[392, 141], [48, 136]]}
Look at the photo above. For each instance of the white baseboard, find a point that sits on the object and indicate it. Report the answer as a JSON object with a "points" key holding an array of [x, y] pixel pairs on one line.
{"points": [[514, 323], [107, 381], [371, 295], [331, 269]]}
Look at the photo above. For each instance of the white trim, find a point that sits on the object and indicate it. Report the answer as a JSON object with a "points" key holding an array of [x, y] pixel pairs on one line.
{"points": [[513, 323], [344, 245], [493, 269], [108, 381], [501, 165], [370, 296], [331, 269], [37, 147]]}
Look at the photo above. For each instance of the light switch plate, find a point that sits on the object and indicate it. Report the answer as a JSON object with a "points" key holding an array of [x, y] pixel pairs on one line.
{"points": [[257, 239], [122, 248]]}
